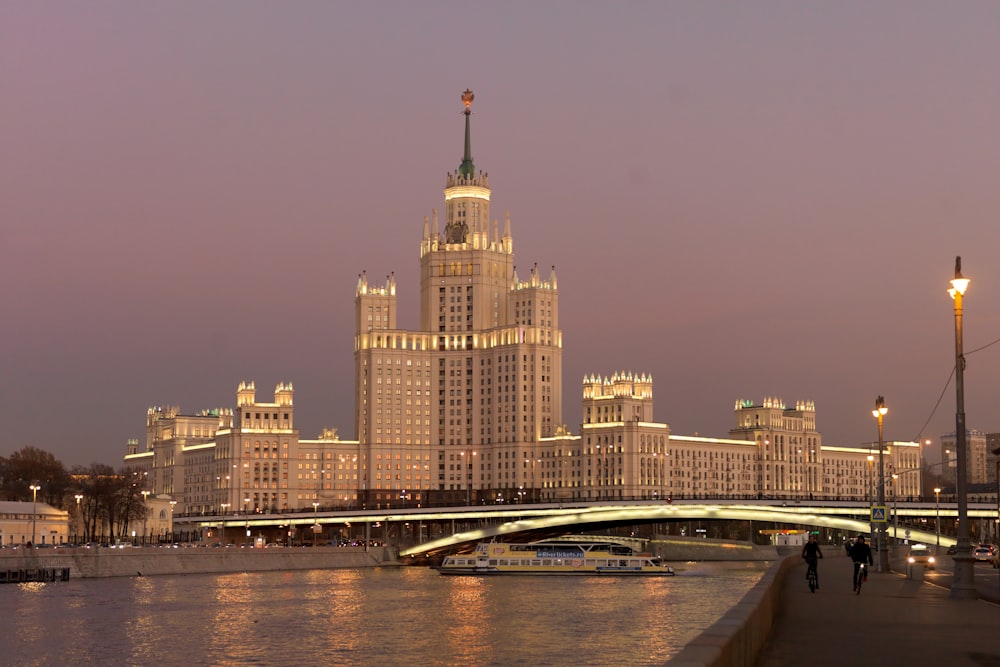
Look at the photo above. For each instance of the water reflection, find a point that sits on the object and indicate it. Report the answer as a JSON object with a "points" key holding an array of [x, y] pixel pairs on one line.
{"points": [[381, 616]]}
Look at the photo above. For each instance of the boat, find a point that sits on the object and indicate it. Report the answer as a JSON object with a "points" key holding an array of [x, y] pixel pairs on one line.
{"points": [[581, 555]]}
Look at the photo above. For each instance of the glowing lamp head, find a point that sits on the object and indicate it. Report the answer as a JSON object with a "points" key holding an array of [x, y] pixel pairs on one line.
{"points": [[880, 408], [959, 283], [958, 286]]}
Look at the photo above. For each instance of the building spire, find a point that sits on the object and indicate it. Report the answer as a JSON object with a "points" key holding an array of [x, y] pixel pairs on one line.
{"points": [[467, 169]]}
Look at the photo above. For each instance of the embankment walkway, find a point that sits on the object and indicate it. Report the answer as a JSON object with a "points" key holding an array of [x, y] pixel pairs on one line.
{"points": [[894, 621]]}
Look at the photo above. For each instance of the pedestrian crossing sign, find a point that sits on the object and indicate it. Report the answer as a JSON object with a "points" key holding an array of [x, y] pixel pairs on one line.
{"points": [[878, 514]]}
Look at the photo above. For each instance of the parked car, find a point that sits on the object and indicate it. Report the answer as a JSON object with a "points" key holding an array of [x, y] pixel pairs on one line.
{"points": [[921, 554]]}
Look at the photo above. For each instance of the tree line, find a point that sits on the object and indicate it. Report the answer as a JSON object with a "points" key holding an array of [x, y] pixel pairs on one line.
{"points": [[103, 501]]}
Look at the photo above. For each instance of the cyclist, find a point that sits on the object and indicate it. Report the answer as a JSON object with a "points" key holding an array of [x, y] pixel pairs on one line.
{"points": [[860, 552], [812, 553]]}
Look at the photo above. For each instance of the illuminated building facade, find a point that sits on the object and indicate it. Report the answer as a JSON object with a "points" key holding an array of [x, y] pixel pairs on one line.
{"points": [[466, 408], [459, 404]]}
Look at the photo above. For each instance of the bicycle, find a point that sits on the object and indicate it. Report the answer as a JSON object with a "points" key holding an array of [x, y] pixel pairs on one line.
{"points": [[860, 575], [812, 576]]}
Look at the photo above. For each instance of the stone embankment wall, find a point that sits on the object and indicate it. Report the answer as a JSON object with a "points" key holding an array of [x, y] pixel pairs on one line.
{"points": [[674, 550], [131, 562], [736, 639]]}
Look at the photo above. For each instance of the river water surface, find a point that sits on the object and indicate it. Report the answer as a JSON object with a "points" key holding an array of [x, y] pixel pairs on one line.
{"points": [[381, 616]]}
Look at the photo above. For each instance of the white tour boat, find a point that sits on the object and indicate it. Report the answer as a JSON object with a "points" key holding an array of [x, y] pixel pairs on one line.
{"points": [[583, 554]]}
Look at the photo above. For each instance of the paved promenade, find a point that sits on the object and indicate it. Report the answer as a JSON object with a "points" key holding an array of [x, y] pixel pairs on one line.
{"points": [[894, 621]]}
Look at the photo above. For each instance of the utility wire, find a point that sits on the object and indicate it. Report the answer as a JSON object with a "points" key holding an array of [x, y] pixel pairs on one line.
{"points": [[948, 382]]}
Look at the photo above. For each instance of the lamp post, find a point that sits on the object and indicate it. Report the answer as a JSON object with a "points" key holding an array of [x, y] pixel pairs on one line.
{"points": [[937, 516], [996, 526], [467, 464], [145, 512], [79, 516], [173, 503], [315, 522], [962, 586], [222, 525], [883, 550], [871, 492], [246, 517], [35, 488], [895, 509], [534, 489]]}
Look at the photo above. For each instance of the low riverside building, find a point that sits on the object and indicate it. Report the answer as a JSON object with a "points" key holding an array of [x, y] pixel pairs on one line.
{"points": [[620, 453], [23, 522], [246, 460]]}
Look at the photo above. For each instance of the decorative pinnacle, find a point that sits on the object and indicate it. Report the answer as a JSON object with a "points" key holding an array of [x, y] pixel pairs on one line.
{"points": [[467, 169]]}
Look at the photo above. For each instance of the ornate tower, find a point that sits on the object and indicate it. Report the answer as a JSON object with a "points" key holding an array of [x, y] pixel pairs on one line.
{"points": [[459, 404], [464, 273]]}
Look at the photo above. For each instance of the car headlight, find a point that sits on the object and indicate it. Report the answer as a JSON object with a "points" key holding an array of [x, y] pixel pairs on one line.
{"points": [[911, 560], [931, 559]]}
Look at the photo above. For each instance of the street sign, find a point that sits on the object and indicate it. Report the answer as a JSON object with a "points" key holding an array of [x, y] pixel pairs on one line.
{"points": [[878, 514]]}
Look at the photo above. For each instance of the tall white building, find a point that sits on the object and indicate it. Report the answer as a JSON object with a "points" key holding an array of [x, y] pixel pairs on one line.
{"points": [[462, 401]]}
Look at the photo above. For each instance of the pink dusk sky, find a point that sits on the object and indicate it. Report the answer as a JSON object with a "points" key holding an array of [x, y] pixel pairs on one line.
{"points": [[743, 199]]}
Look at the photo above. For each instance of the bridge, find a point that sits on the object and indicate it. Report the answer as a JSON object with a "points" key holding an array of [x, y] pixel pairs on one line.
{"points": [[431, 531]]}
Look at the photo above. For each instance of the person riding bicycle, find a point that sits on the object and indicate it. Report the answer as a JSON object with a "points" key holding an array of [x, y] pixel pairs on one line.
{"points": [[812, 553], [860, 552]]}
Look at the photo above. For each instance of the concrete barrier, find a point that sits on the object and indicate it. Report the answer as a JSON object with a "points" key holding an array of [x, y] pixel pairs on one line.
{"points": [[130, 562], [736, 639], [675, 549]]}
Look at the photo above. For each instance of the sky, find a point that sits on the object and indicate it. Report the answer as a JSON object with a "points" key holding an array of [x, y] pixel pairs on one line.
{"points": [[745, 200]]}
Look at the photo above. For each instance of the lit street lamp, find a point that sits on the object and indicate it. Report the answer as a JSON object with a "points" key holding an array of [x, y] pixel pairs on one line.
{"points": [[883, 550], [937, 515], [145, 513], [246, 517], [895, 511], [35, 488], [79, 515], [222, 525], [963, 586], [172, 504]]}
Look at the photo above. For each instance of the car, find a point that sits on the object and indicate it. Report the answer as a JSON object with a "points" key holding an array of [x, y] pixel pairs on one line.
{"points": [[984, 554], [921, 554], [952, 550]]}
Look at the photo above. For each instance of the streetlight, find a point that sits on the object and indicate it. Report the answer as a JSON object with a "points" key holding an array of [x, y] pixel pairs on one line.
{"points": [[316, 526], [222, 525], [871, 492], [937, 515], [467, 462], [534, 489], [246, 517], [963, 586], [895, 510], [173, 503], [996, 526], [145, 512], [79, 515], [883, 552], [35, 488]]}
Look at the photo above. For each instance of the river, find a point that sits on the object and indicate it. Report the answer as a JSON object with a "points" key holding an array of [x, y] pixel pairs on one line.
{"points": [[382, 616]]}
